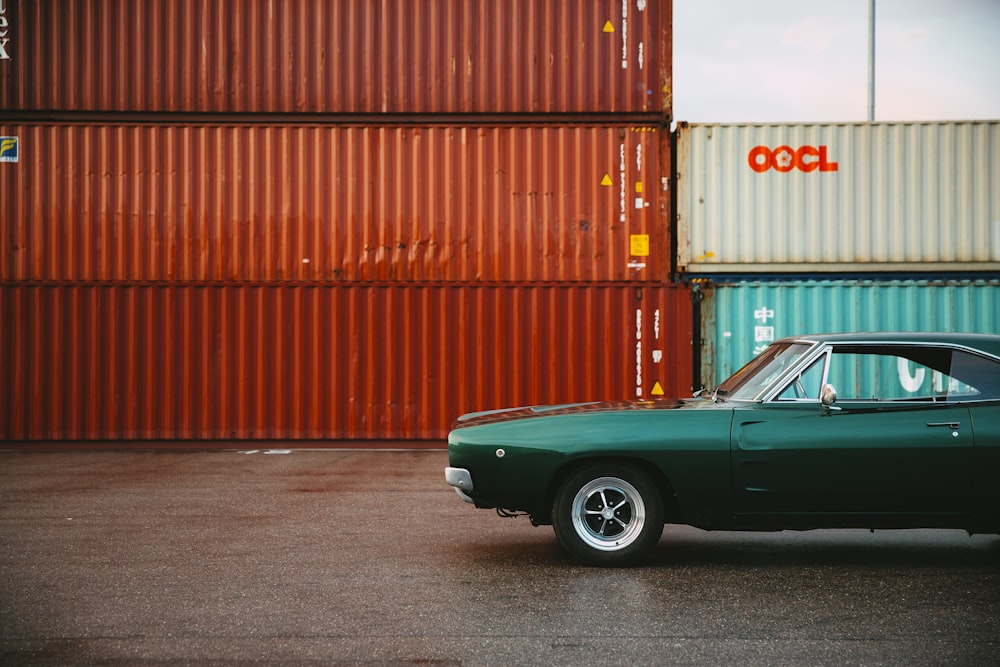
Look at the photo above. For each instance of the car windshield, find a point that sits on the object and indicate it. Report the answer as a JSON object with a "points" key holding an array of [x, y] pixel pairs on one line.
{"points": [[748, 382]]}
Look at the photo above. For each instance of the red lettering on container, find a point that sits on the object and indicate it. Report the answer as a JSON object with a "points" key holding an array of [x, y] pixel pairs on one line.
{"points": [[760, 159], [785, 159]]}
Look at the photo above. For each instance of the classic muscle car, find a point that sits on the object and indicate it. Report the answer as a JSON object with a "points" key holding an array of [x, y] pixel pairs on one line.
{"points": [[874, 430]]}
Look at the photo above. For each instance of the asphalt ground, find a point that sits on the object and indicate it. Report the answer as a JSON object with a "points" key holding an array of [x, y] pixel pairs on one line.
{"points": [[366, 557]]}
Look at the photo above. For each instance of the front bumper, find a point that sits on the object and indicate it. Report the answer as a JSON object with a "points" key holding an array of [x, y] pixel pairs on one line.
{"points": [[461, 479]]}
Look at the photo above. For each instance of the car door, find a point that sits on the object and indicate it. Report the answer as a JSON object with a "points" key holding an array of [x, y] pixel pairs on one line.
{"points": [[986, 419], [888, 447], [863, 458]]}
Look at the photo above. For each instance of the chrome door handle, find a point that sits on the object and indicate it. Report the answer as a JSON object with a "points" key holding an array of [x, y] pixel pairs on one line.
{"points": [[951, 425]]}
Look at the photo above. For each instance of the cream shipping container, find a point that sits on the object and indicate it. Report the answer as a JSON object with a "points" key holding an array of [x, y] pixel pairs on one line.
{"points": [[835, 198]]}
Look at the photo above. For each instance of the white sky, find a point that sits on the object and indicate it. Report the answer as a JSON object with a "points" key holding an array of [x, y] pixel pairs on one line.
{"points": [[806, 61]]}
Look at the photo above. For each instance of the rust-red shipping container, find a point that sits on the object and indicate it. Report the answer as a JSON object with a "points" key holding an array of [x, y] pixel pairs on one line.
{"points": [[327, 364], [254, 203], [337, 56]]}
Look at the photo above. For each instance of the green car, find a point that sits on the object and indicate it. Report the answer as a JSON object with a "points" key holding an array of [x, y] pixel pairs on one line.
{"points": [[874, 430]]}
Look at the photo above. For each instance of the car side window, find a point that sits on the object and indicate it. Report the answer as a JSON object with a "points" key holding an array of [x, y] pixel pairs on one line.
{"points": [[912, 373], [881, 374], [807, 385], [973, 377]]}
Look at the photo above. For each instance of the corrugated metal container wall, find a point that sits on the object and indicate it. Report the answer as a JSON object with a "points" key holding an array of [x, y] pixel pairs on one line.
{"points": [[838, 198], [338, 56], [740, 319], [241, 203], [378, 362]]}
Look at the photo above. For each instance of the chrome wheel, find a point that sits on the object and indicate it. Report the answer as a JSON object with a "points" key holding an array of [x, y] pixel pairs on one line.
{"points": [[608, 514]]}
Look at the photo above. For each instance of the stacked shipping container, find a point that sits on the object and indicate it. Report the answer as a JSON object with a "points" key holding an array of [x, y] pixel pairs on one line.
{"points": [[331, 221], [358, 361], [792, 229], [507, 59], [249, 203], [733, 311]]}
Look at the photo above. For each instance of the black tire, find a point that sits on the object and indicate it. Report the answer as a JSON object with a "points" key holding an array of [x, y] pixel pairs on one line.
{"points": [[608, 514]]}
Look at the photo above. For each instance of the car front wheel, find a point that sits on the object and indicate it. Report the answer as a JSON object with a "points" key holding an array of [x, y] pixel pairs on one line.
{"points": [[608, 514]]}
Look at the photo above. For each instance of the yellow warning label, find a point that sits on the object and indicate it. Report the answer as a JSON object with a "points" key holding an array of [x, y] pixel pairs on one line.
{"points": [[639, 245], [608, 27], [657, 389], [638, 187], [606, 181]]}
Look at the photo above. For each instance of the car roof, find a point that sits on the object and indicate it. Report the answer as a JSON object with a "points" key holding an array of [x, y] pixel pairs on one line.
{"points": [[988, 343]]}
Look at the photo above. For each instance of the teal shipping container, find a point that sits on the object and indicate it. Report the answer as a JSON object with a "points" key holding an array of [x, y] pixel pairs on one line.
{"points": [[740, 319]]}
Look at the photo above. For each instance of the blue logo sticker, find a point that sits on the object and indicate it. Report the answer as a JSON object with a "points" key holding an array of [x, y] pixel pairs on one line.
{"points": [[8, 149]]}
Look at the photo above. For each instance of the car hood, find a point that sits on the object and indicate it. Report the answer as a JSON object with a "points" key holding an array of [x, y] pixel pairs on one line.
{"points": [[537, 411]]}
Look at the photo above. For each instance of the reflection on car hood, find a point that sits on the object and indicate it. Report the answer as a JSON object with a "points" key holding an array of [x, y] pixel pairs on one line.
{"points": [[529, 412]]}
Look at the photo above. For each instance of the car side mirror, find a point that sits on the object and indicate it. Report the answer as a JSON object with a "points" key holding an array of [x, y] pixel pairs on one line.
{"points": [[828, 395]]}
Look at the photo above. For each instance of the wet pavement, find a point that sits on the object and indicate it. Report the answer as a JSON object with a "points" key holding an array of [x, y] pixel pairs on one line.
{"points": [[367, 557]]}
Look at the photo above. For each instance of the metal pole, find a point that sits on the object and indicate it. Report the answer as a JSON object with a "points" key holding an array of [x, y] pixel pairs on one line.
{"points": [[871, 61]]}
